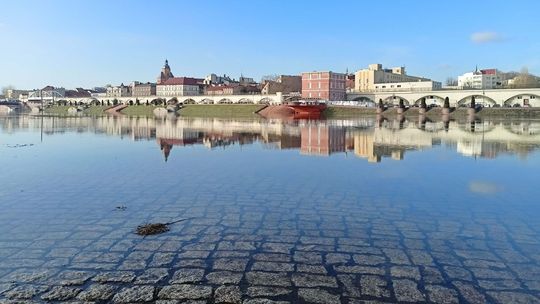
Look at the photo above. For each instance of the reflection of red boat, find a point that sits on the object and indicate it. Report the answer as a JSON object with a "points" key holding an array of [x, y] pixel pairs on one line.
{"points": [[296, 110]]}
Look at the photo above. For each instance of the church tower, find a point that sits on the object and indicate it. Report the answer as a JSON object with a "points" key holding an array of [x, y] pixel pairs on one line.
{"points": [[165, 73]]}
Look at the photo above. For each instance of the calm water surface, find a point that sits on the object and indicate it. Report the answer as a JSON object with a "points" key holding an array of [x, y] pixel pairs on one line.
{"points": [[336, 211]]}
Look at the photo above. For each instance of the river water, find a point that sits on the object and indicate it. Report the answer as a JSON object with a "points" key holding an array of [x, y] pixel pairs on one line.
{"points": [[328, 211]]}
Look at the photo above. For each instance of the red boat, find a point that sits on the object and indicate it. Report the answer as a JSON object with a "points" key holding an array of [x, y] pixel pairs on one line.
{"points": [[307, 108], [296, 110]]}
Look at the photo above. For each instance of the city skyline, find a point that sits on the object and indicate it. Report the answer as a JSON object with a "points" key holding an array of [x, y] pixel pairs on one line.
{"points": [[93, 44]]}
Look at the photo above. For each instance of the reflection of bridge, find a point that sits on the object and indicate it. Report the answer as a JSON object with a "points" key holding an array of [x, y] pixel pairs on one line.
{"points": [[197, 99], [388, 139], [501, 97]]}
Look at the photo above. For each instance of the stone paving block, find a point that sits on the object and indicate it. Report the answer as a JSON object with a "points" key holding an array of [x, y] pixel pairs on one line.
{"points": [[187, 275], [60, 293], [370, 260], [409, 272], [185, 292], [320, 296], [442, 295], [97, 292], [374, 286], [134, 294], [230, 264], [470, 292], [272, 266], [152, 276], [513, 297], [24, 291], [263, 301], [407, 291], [265, 291], [311, 280], [268, 278], [224, 277], [114, 277], [228, 294]]}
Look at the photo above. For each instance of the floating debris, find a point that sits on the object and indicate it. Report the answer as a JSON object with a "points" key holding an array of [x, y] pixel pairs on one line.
{"points": [[156, 228], [18, 145], [151, 229]]}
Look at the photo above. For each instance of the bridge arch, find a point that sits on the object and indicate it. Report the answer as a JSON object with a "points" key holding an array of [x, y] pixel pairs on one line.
{"points": [[293, 98], [532, 100], [207, 101], [225, 101], [189, 101], [523, 128], [476, 126], [431, 99], [394, 100], [265, 100], [245, 101], [157, 101], [363, 99], [479, 99]]}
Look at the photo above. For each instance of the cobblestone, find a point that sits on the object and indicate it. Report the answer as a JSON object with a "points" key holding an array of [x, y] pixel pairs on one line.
{"points": [[135, 294]]}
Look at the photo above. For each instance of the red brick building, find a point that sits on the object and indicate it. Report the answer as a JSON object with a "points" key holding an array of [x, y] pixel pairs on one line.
{"points": [[323, 85]]}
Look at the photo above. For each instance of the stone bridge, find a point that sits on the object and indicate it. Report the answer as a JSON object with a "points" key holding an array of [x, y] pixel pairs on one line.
{"points": [[488, 98], [198, 99]]}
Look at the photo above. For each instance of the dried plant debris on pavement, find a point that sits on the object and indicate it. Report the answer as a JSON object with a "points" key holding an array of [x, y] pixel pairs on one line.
{"points": [[151, 229], [155, 228]]}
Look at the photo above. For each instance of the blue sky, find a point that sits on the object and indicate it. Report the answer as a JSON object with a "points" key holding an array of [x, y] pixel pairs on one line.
{"points": [[92, 43]]}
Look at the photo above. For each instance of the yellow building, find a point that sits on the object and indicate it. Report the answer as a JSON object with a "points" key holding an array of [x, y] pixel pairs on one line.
{"points": [[367, 79]]}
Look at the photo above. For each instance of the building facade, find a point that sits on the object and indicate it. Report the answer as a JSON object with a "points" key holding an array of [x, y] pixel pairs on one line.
{"points": [[15, 94], [411, 86], [119, 91], [179, 86], [143, 89], [328, 86], [231, 90], [366, 80], [481, 79]]}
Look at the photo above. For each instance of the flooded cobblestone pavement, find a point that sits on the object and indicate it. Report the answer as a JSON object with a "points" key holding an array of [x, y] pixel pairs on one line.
{"points": [[266, 226]]}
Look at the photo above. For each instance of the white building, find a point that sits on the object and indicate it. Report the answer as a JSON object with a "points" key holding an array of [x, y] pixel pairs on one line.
{"points": [[119, 91], [410, 86], [375, 77], [481, 79], [214, 79]]}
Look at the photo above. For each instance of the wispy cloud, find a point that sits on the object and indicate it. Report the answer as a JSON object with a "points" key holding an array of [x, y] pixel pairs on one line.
{"points": [[486, 37]]}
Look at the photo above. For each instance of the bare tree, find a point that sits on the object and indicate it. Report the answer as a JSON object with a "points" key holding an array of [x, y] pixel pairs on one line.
{"points": [[525, 80], [451, 82], [6, 89], [271, 77]]}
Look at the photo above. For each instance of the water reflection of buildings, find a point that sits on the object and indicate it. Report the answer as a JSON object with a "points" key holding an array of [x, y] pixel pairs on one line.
{"points": [[365, 137], [320, 139]]}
